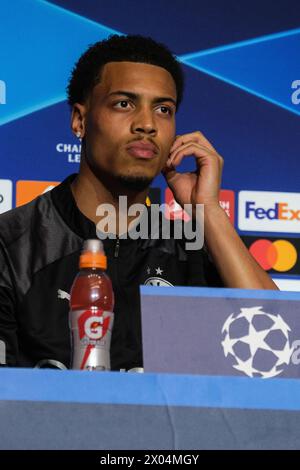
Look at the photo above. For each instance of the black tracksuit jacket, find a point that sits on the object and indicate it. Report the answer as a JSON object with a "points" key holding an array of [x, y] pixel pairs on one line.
{"points": [[40, 244]]}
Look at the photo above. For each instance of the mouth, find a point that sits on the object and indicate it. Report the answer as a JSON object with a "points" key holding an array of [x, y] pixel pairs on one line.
{"points": [[142, 150]]}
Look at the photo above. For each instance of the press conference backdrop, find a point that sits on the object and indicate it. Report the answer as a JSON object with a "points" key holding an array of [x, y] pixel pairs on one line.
{"points": [[241, 61]]}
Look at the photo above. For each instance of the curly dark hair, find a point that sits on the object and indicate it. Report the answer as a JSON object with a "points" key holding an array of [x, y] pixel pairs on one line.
{"points": [[133, 48]]}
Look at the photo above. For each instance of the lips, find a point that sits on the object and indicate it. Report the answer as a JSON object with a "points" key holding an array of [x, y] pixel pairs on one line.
{"points": [[142, 149]]}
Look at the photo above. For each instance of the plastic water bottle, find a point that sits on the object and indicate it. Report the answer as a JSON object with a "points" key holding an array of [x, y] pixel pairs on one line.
{"points": [[91, 310]]}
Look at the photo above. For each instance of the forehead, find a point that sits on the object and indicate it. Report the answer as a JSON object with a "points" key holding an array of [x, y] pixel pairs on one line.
{"points": [[137, 77]]}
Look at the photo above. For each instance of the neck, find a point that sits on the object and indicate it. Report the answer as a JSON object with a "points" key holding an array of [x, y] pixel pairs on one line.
{"points": [[90, 191]]}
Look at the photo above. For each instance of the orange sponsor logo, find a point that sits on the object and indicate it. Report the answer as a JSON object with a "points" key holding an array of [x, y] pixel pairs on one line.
{"points": [[26, 191]]}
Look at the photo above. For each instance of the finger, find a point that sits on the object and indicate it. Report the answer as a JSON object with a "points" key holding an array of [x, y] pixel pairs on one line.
{"points": [[196, 137], [204, 149], [198, 151]]}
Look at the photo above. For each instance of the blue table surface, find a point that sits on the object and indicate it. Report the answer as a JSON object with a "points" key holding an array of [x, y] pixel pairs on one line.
{"points": [[149, 389]]}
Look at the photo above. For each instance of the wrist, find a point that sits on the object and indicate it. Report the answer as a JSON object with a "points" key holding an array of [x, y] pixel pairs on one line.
{"points": [[213, 210], [216, 222], [209, 211]]}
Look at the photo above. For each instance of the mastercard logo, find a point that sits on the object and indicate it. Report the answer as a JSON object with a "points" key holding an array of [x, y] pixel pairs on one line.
{"points": [[280, 255]]}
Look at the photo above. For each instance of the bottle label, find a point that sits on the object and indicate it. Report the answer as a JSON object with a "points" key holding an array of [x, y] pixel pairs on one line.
{"points": [[91, 338]]}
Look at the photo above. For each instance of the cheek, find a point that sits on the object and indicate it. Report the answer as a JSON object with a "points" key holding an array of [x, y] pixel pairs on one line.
{"points": [[109, 128], [169, 133], [98, 121], [168, 142]]}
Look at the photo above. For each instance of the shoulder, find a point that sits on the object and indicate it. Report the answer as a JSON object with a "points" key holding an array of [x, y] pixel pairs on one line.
{"points": [[23, 220], [32, 237]]}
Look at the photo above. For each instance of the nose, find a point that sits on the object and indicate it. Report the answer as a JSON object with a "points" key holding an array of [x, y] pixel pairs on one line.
{"points": [[144, 122]]}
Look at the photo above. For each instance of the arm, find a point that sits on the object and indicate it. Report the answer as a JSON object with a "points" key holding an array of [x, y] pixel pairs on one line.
{"points": [[236, 266]]}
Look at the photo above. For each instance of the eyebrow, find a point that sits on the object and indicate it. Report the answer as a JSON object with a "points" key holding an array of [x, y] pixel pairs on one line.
{"points": [[134, 96]]}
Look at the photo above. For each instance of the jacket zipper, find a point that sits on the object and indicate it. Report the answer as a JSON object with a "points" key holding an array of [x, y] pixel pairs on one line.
{"points": [[117, 248]]}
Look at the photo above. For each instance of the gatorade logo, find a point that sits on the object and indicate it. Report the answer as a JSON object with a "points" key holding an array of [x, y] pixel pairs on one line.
{"points": [[93, 326], [279, 255], [269, 212]]}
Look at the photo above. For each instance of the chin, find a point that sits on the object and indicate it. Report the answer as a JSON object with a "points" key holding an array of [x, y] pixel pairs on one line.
{"points": [[135, 182]]}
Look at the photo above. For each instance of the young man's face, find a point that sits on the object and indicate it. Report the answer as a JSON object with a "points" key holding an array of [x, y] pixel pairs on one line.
{"points": [[134, 104]]}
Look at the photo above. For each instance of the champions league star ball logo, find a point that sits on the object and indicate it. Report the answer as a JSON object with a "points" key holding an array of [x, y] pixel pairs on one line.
{"points": [[257, 342]]}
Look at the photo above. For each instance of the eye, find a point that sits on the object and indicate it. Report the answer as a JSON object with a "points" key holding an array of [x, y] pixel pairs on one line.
{"points": [[121, 104], [166, 110]]}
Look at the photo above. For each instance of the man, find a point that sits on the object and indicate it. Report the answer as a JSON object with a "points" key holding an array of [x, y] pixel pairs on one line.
{"points": [[124, 93]]}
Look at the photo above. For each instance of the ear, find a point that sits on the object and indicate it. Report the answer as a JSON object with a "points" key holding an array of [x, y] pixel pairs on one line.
{"points": [[78, 119]]}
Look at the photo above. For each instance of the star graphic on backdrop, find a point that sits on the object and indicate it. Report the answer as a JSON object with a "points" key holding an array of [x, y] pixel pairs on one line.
{"points": [[245, 366], [249, 313], [227, 323], [280, 324], [148, 270], [285, 354], [256, 340], [228, 344], [272, 51], [159, 271], [73, 34]]}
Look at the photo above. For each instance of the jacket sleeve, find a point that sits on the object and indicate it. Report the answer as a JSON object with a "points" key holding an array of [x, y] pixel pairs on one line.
{"points": [[8, 321]]}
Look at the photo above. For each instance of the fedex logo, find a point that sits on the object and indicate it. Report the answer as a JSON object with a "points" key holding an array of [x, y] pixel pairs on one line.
{"points": [[268, 211], [279, 211]]}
